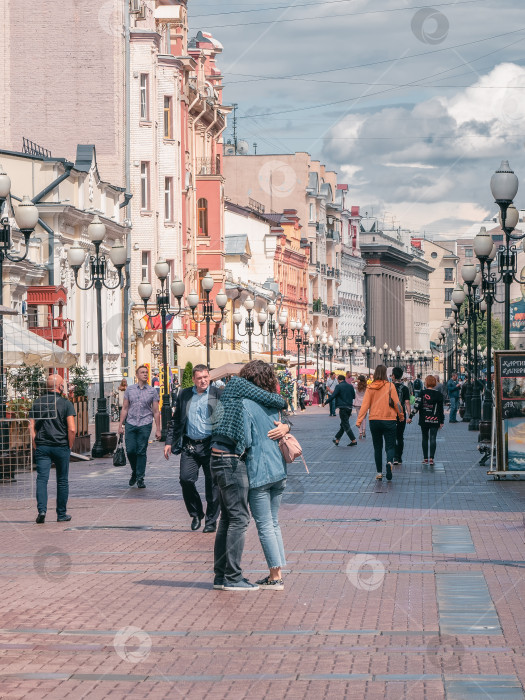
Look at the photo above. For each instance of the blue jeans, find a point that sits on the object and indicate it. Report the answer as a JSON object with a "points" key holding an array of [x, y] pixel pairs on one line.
{"points": [[229, 473], [386, 429], [137, 437], [59, 456], [264, 504], [331, 404], [454, 402]]}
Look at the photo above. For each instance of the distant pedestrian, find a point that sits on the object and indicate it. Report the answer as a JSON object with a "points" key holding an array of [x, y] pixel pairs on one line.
{"points": [[431, 417], [174, 391], [404, 400], [382, 401], [331, 383], [52, 430], [140, 409], [121, 391], [417, 385], [453, 389], [155, 382], [302, 396], [249, 467], [189, 434], [343, 397], [360, 389], [321, 390], [349, 378]]}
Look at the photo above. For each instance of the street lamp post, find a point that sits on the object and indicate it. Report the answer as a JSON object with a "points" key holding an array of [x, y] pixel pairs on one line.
{"points": [[145, 289], [330, 351], [207, 315], [504, 186], [249, 323], [272, 326], [302, 341], [26, 217], [98, 278], [317, 347]]}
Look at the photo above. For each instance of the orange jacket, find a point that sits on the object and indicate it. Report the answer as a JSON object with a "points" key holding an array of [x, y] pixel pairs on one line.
{"points": [[376, 400]]}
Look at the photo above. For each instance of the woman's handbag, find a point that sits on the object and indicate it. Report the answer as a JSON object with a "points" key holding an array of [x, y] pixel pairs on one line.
{"points": [[291, 449], [119, 456]]}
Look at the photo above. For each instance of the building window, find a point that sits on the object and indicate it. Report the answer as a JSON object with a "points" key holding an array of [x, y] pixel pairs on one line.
{"points": [[202, 216], [433, 254], [168, 120], [145, 265], [468, 253], [448, 313], [312, 212], [448, 294], [168, 199], [449, 274], [144, 96], [144, 185], [171, 277]]}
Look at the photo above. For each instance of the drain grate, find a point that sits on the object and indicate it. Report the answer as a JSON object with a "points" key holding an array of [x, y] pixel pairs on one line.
{"points": [[465, 605], [451, 539], [474, 688]]}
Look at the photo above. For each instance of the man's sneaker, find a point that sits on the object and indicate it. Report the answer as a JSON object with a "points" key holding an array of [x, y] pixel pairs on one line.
{"points": [[388, 471], [141, 484], [277, 585], [41, 518], [242, 585], [63, 518], [133, 480], [218, 584]]}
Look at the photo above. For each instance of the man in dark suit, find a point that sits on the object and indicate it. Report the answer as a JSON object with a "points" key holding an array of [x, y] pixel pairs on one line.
{"points": [[189, 434]]}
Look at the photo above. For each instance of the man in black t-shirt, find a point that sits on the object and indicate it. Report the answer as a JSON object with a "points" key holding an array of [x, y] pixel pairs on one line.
{"points": [[404, 400], [52, 429]]}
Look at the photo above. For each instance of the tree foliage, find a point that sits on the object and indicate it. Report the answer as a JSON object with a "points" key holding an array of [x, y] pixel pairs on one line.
{"points": [[187, 376], [80, 380]]}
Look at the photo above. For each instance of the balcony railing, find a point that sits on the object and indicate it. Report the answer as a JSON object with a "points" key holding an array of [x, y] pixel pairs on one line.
{"points": [[334, 310], [332, 235], [208, 166]]}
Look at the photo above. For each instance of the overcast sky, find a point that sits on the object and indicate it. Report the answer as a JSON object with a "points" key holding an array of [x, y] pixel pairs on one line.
{"points": [[413, 105]]}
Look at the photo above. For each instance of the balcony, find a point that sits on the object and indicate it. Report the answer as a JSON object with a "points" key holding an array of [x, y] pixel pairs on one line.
{"points": [[332, 235], [323, 269], [317, 306], [58, 330], [209, 166], [320, 228], [333, 273], [334, 310]]}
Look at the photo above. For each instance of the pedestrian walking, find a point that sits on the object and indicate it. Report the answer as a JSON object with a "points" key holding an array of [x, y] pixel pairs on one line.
{"points": [[155, 382], [343, 397], [139, 410], [249, 468], [453, 389], [417, 385], [431, 417], [121, 391], [321, 390], [331, 383], [174, 391], [52, 430], [382, 403], [302, 396], [360, 389], [404, 400], [189, 434]]}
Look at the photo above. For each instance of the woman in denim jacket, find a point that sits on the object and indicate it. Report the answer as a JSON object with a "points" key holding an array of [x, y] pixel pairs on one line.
{"points": [[251, 412]]}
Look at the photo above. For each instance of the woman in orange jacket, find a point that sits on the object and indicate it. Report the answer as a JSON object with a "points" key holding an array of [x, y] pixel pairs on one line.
{"points": [[382, 403]]}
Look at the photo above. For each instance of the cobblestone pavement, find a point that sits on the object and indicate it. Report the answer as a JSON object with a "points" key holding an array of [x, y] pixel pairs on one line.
{"points": [[408, 589]]}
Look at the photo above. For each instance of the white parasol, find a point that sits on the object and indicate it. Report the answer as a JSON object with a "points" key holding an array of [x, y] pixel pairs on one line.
{"points": [[22, 346]]}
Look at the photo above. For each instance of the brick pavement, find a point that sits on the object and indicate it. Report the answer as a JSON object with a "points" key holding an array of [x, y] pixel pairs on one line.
{"points": [[409, 589]]}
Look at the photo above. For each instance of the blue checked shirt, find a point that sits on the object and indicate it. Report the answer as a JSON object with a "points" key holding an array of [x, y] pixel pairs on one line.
{"points": [[140, 411]]}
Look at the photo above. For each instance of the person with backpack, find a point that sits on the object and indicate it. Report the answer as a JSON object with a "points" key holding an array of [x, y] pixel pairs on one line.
{"points": [[382, 401], [431, 417], [417, 385], [404, 400]]}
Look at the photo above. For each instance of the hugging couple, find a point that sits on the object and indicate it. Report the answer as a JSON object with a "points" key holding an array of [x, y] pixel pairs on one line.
{"points": [[250, 471]]}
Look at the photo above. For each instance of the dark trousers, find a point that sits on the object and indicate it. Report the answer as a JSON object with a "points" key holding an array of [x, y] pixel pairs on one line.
{"points": [[344, 417], [400, 440], [302, 404], [137, 437], [429, 435], [59, 456], [231, 477], [383, 429], [331, 404], [192, 458]]}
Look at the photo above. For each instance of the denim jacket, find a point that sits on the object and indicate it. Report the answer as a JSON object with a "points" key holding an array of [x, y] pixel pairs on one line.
{"points": [[264, 461]]}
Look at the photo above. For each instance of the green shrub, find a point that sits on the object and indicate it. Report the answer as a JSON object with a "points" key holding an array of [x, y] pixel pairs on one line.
{"points": [[187, 376]]}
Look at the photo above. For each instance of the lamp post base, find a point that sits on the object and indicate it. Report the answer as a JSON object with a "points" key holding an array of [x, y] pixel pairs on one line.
{"points": [[475, 407], [165, 416], [101, 426]]}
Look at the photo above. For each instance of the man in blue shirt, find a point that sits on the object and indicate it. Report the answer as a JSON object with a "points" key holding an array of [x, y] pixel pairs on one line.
{"points": [[453, 394], [189, 434]]}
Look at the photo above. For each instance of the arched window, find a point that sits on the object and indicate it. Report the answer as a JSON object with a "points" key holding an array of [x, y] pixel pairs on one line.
{"points": [[202, 216]]}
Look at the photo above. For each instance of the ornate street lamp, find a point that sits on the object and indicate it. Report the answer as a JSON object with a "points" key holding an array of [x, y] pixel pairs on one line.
{"points": [[207, 315], [98, 278], [302, 341], [26, 217], [249, 323], [145, 289]]}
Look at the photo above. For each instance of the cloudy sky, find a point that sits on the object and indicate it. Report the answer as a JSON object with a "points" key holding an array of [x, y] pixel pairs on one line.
{"points": [[413, 105]]}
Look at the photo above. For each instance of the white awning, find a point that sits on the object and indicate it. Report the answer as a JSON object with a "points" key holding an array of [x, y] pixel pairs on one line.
{"points": [[22, 346]]}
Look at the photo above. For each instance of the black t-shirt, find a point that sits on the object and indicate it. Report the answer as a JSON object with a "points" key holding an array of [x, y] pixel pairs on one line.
{"points": [[50, 413], [403, 394]]}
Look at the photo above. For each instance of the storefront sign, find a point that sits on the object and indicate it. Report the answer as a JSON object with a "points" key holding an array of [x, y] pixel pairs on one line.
{"points": [[510, 410]]}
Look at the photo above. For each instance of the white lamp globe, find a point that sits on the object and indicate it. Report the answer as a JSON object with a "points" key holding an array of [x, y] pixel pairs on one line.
{"points": [[26, 215]]}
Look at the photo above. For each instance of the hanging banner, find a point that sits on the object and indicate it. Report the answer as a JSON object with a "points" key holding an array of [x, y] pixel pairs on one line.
{"points": [[510, 410]]}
